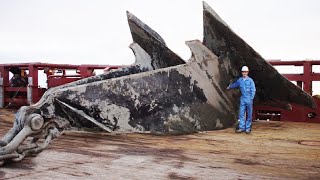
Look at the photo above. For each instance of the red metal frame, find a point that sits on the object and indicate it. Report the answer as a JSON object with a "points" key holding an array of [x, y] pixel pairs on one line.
{"points": [[32, 93], [298, 113]]}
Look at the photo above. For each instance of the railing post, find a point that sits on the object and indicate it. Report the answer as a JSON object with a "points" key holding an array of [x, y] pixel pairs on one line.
{"points": [[307, 73]]}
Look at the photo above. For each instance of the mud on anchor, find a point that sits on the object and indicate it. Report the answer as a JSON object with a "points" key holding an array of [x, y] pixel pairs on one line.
{"points": [[160, 93]]}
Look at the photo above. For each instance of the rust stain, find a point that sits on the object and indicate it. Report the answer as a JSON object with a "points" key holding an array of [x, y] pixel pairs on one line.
{"points": [[246, 162], [174, 175], [310, 143]]}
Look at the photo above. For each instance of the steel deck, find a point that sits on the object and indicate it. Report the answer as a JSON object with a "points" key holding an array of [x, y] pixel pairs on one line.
{"points": [[274, 150]]}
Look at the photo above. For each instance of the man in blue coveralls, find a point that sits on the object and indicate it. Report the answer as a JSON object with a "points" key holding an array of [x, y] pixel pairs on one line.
{"points": [[248, 90]]}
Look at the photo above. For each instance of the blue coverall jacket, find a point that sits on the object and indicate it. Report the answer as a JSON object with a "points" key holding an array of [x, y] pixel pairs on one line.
{"points": [[248, 91]]}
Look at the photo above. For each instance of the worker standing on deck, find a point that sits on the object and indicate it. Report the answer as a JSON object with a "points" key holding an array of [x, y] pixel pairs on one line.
{"points": [[248, 90]]}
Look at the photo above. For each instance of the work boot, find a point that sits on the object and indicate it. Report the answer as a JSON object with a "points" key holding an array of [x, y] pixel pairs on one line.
{"points": [[239, 131], [248, 131]]}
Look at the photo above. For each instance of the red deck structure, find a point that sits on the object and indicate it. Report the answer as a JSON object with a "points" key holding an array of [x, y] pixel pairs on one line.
{"points": [[31, 93], [304, 81]]}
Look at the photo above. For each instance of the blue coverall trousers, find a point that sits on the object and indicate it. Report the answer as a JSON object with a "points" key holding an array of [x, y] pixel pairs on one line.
{"points": [[245, 114], [248, 90]]}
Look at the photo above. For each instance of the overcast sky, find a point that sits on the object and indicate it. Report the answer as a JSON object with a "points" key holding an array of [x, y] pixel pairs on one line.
{"points": [[97, 32]]}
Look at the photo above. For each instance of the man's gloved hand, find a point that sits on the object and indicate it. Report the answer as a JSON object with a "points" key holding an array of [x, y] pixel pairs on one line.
{"points": [[229, 86]]}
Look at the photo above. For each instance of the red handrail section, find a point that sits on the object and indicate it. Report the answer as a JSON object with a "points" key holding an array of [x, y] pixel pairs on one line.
{"points": [[304, 81], [23, 88]]}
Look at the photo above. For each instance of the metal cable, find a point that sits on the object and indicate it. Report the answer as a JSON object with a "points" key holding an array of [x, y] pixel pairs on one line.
{"points": [[13, 97]]}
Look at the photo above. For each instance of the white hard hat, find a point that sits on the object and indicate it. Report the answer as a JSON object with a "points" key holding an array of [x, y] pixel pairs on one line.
{"points": [[245, 68]]}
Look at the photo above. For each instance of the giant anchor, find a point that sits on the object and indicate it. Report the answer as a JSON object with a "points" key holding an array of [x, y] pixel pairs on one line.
{"points": [[160, 93]]}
